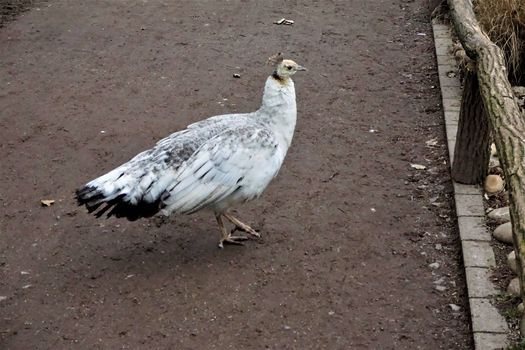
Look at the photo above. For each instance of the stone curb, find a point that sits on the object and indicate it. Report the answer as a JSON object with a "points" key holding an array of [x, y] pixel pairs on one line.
{"points": [[489, 328]]}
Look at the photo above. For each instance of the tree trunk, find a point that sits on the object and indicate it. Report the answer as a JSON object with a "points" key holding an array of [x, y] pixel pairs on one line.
{"points": [[471, 155], [505, 118]]}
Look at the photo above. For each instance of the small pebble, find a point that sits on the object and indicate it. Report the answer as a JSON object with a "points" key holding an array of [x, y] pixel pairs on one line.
{"points": [[236, 75], [434, 265], [440, 288], [454, 307]]}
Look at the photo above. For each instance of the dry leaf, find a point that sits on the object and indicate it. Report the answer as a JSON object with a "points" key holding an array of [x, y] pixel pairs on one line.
{"points": [[284, 21], [418, 166], [47, 202]]}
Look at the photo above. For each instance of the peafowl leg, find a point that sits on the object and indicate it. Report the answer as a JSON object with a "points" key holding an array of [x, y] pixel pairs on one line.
{"points": [[239, 225], [227, 237]]}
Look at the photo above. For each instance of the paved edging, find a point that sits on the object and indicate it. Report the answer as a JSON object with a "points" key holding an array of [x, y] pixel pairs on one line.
{"points": [[489, 328]]}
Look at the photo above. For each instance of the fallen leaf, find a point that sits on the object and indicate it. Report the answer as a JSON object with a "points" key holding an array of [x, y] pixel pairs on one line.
{"points": [[418, 166], [47, 202], [284, 21]]}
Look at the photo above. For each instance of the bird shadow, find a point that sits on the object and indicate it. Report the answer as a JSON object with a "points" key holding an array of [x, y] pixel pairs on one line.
{"points": [[160, 253]]}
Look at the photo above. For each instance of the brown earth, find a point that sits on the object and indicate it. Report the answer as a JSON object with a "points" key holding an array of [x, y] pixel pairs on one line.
{"points": [[349, 227]]}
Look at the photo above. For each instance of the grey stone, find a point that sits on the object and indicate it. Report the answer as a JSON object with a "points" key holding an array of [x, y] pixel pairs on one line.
{"points": [[500, 214], [478, 282], [490, 341], [473, 228], [485, 317], [503, 233], [514, 287], [434, 265], [469, 205], [511, 261], [478, 254]]}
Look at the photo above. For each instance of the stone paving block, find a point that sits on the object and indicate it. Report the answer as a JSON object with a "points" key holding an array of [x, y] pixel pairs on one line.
{"points": [[490, 341], [451, 143], [478, 282], [451, 104], [446, 81], [445, 59], [440, 27], [485, 317], [478, 254], [473, 228], [452, 117], [446, 69], [466, 189], [452, 131], [443, 46], [469, 205], [450, 92], [442, 33]]}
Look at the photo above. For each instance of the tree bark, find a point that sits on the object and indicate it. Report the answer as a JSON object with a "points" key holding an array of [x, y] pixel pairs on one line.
{"points": [[471, 154], [505, 119]]}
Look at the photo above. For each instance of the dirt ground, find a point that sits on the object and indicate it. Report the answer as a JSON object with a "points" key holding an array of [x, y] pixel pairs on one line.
{"points": [[349, 228]]}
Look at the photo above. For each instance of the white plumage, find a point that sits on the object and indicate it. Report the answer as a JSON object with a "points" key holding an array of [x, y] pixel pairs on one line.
{"points": [[214, 164]]}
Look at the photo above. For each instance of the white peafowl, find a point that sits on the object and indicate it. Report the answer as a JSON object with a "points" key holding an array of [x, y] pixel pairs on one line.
{"points": [[212, 164]]}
